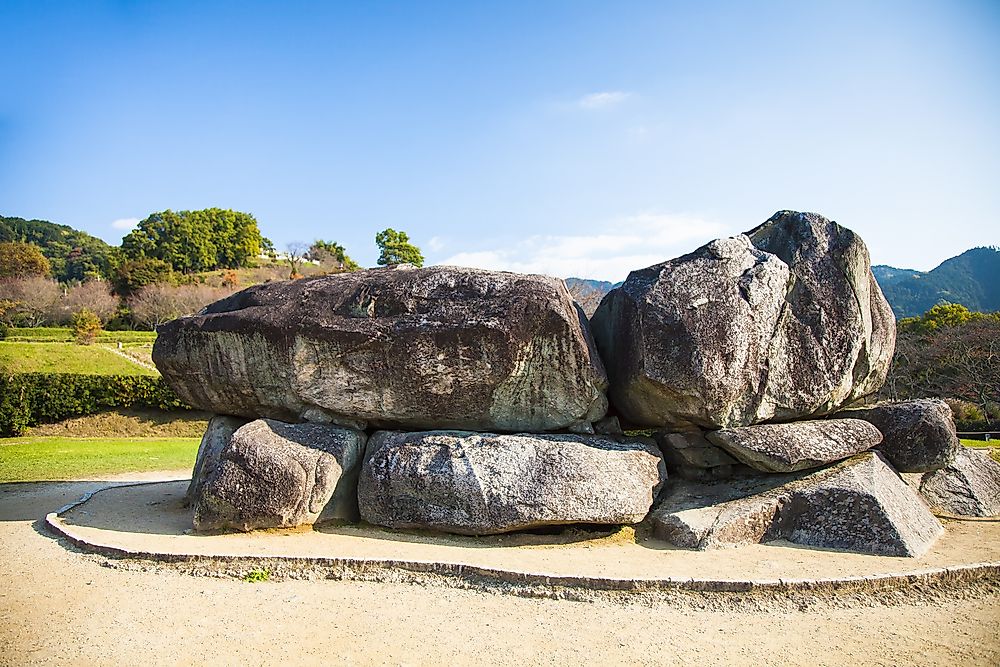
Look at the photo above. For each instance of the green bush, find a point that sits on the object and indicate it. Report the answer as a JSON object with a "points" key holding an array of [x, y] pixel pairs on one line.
{"points": [[86, 326], [4, 330], [29, 398]]}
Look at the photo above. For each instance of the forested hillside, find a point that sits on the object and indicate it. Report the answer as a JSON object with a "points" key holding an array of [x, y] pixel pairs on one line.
{"points": [[971, 279], [72, 254]]}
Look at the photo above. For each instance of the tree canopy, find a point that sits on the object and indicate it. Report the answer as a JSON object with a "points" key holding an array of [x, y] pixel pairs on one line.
{"points": [[191, 241], [22, 259], [395, 248], [332, 255], [72, 254]]}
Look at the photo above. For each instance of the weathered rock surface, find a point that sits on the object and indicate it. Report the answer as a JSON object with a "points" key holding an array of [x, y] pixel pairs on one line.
{"points": [[691, 448], [482, 483], [798, 445], [218, 434], [859, 505], [784, 322], [689, 454], [917, 436], [969, 486], [276, 475], [440, 347]]}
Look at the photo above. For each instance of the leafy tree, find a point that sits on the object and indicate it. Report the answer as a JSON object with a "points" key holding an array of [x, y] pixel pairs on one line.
{"points": [[192, 241], [73, 255], [86, 325], [134, 274], [943, 315], [22, 259], [395, 248], [332, 255]]}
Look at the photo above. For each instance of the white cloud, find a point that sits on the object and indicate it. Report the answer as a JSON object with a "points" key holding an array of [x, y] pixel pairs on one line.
{"points": [[629, 243], [603, 100], [125, 223], [436, 244]]}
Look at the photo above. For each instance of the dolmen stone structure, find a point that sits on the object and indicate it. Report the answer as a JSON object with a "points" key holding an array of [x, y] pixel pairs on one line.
{"points": [[477, 402]]}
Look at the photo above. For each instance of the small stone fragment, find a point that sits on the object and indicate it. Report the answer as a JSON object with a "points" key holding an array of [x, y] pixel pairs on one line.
{"points": [[917, 436], [797, 445], [969, 486]]}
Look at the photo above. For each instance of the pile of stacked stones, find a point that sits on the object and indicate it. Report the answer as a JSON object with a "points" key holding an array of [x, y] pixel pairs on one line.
{"points": [[477, 402]]}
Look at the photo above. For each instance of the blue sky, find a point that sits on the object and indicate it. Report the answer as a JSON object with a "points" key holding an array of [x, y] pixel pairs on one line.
{"points": [[571, 138]]}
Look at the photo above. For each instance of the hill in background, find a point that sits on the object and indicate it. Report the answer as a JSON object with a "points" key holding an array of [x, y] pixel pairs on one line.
{"points": [[971, 279], [588, 293], [72, 254]]}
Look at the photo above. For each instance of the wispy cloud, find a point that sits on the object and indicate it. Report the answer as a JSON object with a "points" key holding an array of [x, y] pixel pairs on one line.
{"points": [[436, 244], [603, 100], [632, 242], [125, 223]]}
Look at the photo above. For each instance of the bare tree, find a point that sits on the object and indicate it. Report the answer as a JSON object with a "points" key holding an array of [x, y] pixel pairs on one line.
{"points": [[29, 300], [961, 362], [159, 303], [295, 254], [94, 295]]}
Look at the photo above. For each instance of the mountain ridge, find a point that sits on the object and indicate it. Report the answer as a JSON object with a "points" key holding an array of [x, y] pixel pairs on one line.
{"points": [[971, 279]]}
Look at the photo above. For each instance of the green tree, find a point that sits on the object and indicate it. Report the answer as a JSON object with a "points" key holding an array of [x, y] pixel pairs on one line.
{"points": [[86, 325], [192, 241], [943, 315], [134, 274], [72, 254], [331, 254], [19, 260], [395, 248]]}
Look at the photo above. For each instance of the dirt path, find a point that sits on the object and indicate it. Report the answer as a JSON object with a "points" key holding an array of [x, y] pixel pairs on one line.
{"points": [[58, 606]]}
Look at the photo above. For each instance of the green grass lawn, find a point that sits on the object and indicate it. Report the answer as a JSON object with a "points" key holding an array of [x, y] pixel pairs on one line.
{"points": [[980, 443], [64, 335], [18, 357], [35, 459]]}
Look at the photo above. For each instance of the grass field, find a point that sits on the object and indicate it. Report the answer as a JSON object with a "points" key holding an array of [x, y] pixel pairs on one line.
{"points": [[64, 335], [65, 358], [35, 459]]}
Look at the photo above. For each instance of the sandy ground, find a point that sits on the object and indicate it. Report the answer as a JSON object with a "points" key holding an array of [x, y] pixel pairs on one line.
{"points": [[59, 606]]}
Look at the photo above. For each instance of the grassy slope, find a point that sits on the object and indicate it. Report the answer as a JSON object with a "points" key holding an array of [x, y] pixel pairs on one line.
{"points": [[64, 358], [51, 458]]}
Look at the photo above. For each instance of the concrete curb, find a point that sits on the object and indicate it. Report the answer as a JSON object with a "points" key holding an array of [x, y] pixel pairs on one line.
{"points": [[527, 584]]}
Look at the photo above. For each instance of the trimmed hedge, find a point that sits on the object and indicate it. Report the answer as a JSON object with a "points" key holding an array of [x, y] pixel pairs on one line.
{"points": [[29, 398], [65, 335]]}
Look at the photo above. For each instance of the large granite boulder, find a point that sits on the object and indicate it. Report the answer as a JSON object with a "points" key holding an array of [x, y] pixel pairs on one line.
{"points": [[270, 474], [798, 445], [784, 322], [482, 483], [917, 436], [218, 434], [441, 347], [969, 486], [859, 505]]}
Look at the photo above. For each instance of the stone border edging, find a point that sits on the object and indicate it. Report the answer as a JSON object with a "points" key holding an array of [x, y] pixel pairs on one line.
{"points": [[526, 584]]}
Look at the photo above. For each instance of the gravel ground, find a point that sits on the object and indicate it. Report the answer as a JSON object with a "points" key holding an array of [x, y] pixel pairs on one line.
{"points": [[59, 606]]}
